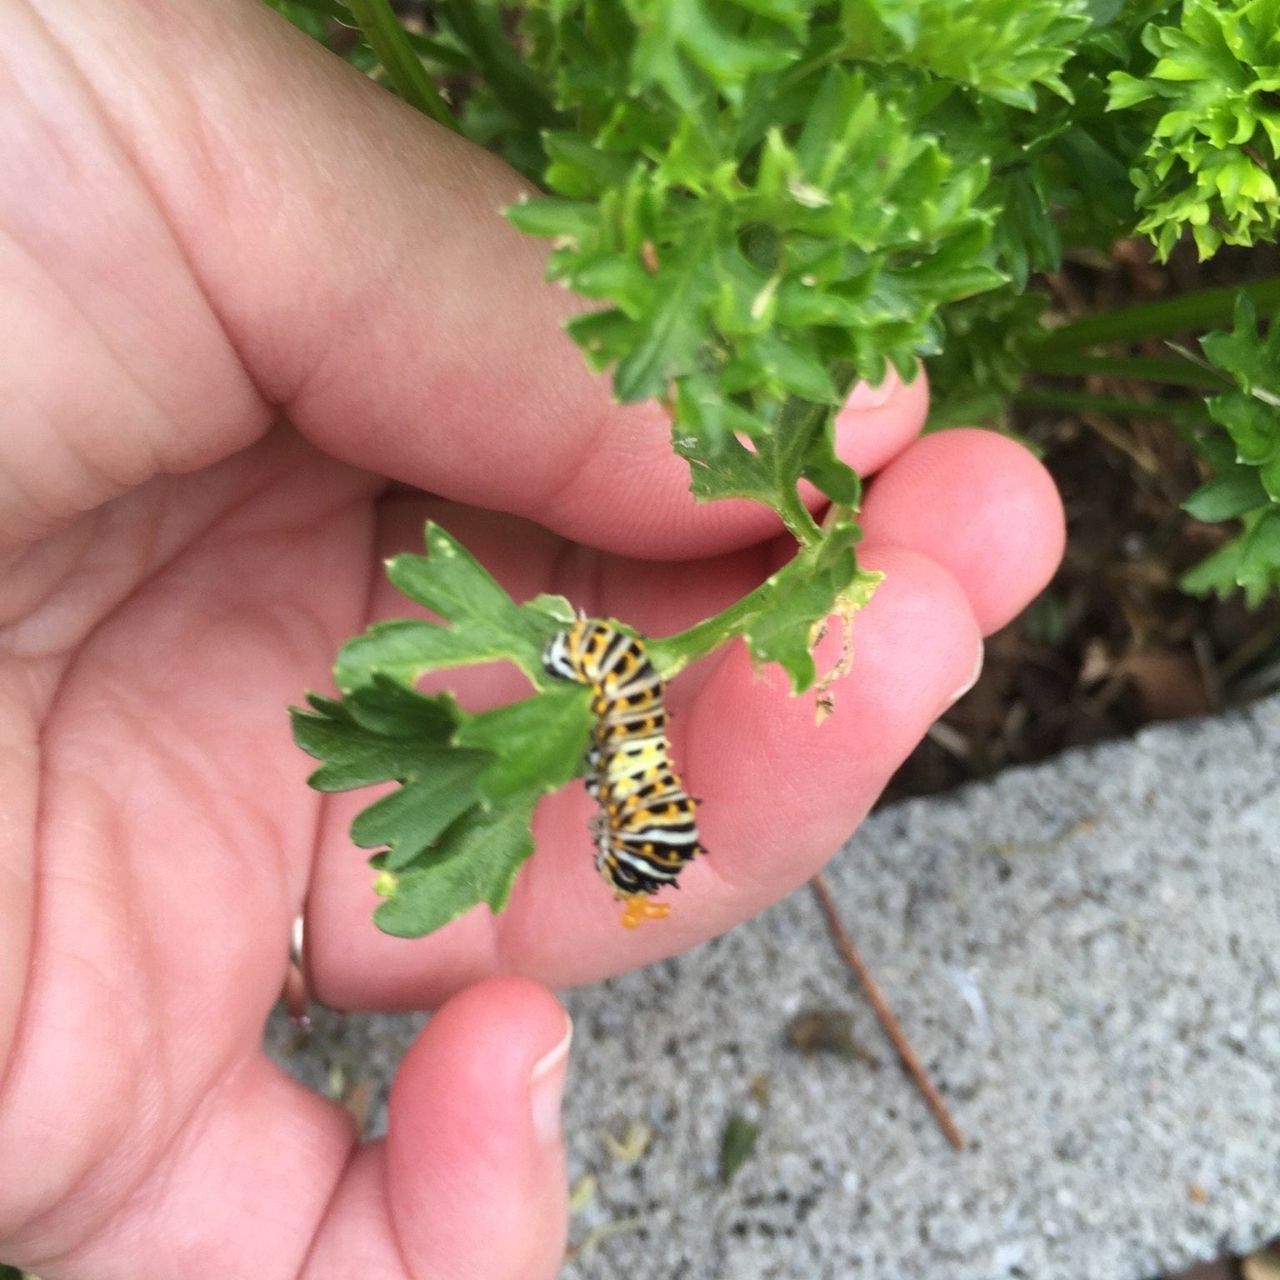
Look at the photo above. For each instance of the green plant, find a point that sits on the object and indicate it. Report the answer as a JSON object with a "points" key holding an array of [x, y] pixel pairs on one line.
{"points": [[768, 200], [1210, 100], [1243, 446]]}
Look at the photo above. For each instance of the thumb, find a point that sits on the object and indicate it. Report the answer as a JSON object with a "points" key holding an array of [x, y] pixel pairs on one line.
{"points": [[470, 1183]]}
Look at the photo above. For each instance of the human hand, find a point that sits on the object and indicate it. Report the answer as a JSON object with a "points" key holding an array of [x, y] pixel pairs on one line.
{"points": [[245, 287]]}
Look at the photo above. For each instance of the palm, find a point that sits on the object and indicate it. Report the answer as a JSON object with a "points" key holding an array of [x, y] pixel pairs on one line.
{"points": [[158, 837], [174, 841]]}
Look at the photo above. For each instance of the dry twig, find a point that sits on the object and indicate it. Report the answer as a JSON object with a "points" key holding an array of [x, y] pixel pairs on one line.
{"points": [[892, 1027]]}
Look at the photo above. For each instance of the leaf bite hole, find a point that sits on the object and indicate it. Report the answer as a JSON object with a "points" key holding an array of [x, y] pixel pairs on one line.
{"points": [[481, 686]]}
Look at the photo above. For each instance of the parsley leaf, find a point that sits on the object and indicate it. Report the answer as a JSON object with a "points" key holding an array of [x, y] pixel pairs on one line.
{"points": [[456, 830], [1245, 455]]}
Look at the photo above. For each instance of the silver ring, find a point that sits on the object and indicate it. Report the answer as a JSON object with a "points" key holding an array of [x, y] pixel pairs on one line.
{"points": [[296, 992]]}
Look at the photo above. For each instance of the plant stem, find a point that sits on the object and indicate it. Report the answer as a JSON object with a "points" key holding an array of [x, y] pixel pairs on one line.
{"points": [[389, 40], [334, 9], [444, 54], [888, 1019], [1176, 373], [1189, 311], [798, 519], [506, 75], [1117, 406], [671, 654]]}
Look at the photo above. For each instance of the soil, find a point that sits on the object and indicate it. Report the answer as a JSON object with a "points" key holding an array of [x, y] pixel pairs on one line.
{"points": [[1112, 644]]}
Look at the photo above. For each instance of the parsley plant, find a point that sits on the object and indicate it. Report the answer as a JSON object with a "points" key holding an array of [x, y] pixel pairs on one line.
{"points": [[768, 200]]}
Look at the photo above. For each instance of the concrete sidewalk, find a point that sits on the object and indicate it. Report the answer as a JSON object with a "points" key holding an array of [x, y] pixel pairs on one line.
{"points": [[1085, 954]]}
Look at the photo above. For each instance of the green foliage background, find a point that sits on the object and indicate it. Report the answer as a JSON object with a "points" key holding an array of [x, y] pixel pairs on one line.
{"points": [[767, 200]]}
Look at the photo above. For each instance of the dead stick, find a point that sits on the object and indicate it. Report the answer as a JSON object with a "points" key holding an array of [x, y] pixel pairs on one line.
{"points": [[892, 1027]]}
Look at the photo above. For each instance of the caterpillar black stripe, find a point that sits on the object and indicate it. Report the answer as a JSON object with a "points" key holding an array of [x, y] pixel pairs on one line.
{"points": [[645, 830]]}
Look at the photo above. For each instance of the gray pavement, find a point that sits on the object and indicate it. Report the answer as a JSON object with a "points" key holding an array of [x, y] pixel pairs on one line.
{"points": [[1085, 953]]}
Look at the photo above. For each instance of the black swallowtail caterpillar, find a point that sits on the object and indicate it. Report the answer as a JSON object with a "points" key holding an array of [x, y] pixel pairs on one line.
{"points": [[645, 830]]}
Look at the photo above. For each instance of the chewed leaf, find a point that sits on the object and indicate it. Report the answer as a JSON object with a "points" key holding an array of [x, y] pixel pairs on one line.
{"points": [[822, 580]]}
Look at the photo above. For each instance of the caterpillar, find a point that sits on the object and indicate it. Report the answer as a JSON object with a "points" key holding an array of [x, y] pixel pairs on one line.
{"points": [[645, 829]]}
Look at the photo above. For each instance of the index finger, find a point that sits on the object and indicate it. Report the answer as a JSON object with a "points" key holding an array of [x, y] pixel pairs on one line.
{"points": [[355, 267]]}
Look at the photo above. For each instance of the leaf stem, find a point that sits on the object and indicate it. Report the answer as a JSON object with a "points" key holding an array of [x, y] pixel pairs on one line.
{"points": [[1175, 373], [1201, 309], [671, 654], [389, 40], [434, 50], [798, 518], [506, 75], [334, 9], [1117, 406]]}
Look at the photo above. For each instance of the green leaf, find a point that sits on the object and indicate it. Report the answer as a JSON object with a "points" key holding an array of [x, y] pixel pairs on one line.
{"points": [[484, 623], [737, 1142], [796, 600], [668, 344], [571, 220], [456, 830], [1227, 496], [1252, 360], [693, 47], [1027, 235], [837, 479], [310, 18], [384, 732], [1212, 128], [1217, 574], [379, 733], [537, 744], [1258, 571], [1250, 561], [984, 359], [441, 787], [746, 286], [1246, 461], [1269, 476], [478, 28], [999, 48], [387, 38], [476, 862], [1253, 425], [558, 608]]}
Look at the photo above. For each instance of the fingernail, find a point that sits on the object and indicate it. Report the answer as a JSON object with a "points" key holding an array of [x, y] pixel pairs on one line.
{"points": [[546, 1088], [864, 396], [972, 680]]}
